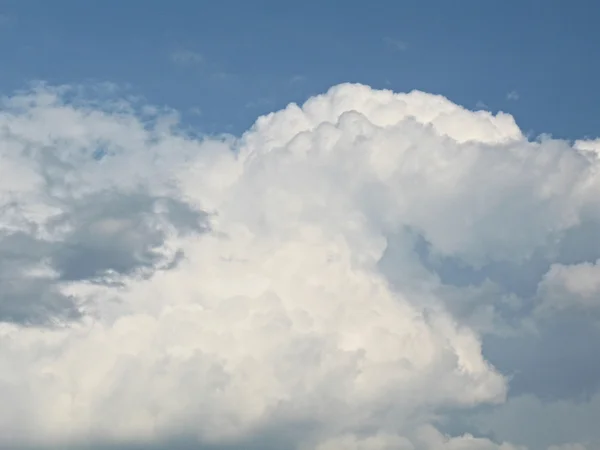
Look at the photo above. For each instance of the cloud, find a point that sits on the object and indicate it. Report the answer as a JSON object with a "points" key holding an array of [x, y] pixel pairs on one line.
{"points": [[210, 70], [512, 95], [427, 438], [576, 285], [395, 44], [186, 57], [195, 111], [568, 447], [62, 222], [297, 79], [592, 146], [327, 280]]}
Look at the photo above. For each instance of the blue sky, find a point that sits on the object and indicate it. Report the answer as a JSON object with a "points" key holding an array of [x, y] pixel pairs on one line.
{"points": [[240, 59]]}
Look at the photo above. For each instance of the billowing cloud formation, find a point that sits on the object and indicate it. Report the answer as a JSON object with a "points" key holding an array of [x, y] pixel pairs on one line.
{"points": [[326, 281]]}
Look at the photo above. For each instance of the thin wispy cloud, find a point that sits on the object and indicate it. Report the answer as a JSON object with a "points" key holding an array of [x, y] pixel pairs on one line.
{"points": [[297, 79], [207, 69], [196, 111], [395, 44], [513, 95], [186, 57]]}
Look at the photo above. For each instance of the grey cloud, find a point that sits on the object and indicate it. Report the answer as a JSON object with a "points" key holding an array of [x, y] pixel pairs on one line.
{"points": [[117, 232], [554, 360], [515, 281], [25, 298], [108, 233], [282, 435]]}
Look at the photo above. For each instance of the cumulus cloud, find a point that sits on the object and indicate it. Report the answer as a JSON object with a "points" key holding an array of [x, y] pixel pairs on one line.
{"points": [[566, 286], [324, 281], [592, 146]]}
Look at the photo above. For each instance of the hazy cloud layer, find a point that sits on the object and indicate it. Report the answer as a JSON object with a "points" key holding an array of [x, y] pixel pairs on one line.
{"points": [[366, 271]]}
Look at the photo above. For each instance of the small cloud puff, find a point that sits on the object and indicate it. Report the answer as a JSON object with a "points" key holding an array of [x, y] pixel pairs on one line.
{"points": [[512, 95]]}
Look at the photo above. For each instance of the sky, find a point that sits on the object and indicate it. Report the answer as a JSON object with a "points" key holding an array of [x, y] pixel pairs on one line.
{"points": [[235, 60], [299, 226]]}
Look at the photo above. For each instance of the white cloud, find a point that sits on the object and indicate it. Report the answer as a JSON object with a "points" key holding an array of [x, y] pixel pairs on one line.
{"points": [[513, 95], [592, 146], [568, 286], [218, 289]]}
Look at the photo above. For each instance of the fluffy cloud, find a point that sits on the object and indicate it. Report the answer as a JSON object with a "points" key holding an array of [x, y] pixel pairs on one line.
{"points": [[334, 270], [588, 145], [568, 286]]}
